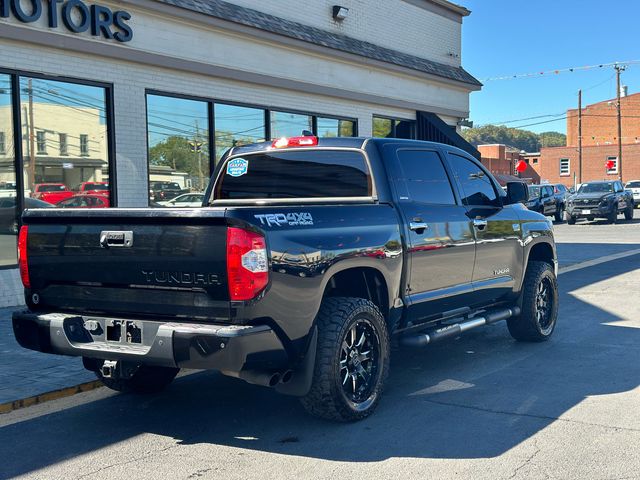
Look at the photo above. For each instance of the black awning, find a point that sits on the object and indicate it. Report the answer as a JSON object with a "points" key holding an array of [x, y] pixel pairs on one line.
{"points": [[430, 127]]}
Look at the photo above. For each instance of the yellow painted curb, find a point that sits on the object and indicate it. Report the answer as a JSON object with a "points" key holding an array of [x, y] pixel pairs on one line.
{"points": [[47, 397]]}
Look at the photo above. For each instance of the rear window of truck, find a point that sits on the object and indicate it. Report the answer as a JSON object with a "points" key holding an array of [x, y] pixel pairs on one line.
{"points": [[51, 188], [294, 174]]}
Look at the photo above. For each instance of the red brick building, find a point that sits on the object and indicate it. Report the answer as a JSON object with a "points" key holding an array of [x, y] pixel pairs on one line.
{"points": [[599, 144], [501, 160]]}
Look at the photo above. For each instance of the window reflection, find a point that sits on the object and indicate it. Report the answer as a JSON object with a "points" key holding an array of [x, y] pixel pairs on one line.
{"points": [[8, 214], [290, 125], [65, 144], [382, 127], [178, 148], [332, 127], [237, 126], [393, 128]]}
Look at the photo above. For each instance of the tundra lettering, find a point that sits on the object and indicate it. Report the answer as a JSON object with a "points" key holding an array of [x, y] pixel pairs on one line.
{"points": [[181, 278]]}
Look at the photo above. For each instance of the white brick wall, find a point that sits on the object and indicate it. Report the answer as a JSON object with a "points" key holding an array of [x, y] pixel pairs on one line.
{"points": [[394, 24]]}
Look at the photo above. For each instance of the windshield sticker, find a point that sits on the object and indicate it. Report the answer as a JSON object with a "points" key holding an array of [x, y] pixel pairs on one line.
{"points": [[237, 167]]}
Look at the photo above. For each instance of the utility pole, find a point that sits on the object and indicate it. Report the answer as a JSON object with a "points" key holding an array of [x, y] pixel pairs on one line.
{"points": [[32, 138], [579, 136], [619, 69], [198, 149]]}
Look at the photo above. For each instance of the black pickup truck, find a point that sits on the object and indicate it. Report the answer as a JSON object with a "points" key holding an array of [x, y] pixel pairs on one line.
{"points": [[604, 199], [310, 259]]}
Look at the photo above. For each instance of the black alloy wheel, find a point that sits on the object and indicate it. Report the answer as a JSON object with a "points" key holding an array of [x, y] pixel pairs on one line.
{"points": [[359, 361], [544, 305], [538, 304]]}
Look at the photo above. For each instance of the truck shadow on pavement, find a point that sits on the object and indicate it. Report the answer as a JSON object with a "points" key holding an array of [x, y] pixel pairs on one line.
{"points": [[476, 397]]}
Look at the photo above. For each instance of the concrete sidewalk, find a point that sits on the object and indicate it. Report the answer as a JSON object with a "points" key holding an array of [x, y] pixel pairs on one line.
{"points": [[25, 373]]}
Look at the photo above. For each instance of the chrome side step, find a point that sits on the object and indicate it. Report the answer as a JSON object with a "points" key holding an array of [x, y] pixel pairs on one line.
{"points": [[448, 331]]}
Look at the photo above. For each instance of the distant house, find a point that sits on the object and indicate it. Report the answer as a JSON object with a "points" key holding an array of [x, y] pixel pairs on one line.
{"points": [[501, 161]]}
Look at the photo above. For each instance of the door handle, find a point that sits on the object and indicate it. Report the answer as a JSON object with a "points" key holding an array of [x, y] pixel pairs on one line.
{"points": [[479, 223], [415, 226]]}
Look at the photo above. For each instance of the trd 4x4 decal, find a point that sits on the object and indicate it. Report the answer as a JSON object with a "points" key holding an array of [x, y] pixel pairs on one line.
{"points": [[280, 219]]}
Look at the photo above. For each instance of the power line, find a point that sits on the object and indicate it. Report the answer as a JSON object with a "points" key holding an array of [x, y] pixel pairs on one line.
{"points": [[523, 119], [540, 123], [559, 70]]}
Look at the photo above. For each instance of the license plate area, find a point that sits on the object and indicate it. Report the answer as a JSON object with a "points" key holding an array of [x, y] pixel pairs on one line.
{"points": [[121, 331], [586, 212]]}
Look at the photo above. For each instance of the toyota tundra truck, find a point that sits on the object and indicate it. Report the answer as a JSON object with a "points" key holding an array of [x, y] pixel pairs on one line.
{"points": [[309, 259]]}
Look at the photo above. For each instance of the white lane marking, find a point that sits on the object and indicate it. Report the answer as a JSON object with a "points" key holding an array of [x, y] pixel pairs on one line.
{"points": [[598, 261]]}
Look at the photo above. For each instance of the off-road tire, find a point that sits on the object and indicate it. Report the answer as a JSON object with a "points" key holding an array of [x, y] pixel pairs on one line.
{"points": [[571, 220], [147, 379], [559, 215], [612, 218], [628, 213], [326, 398], [527, 327]]}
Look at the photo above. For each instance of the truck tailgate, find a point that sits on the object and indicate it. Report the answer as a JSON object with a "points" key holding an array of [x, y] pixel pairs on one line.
{"points": [[145, 262]]}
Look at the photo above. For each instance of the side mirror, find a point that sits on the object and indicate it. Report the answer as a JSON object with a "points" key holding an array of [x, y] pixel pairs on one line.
{"points": [[517, 192]]}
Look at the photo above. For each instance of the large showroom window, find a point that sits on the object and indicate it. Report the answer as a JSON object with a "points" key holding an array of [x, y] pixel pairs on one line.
{"points": [[178, 136], [237, 125], [181, 130], [62, 149], [65, 141], [8, 195]]}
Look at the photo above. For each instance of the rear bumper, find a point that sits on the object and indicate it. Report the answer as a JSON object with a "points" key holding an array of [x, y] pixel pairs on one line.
{"points": [[228, 348]]}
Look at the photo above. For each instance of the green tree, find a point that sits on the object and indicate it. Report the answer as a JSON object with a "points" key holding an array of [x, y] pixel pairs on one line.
{"points": [[520, 139], [552, 139], [181, 154]]}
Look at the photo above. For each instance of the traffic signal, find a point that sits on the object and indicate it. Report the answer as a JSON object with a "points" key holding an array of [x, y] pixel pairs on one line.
{"points": [[196, 146]]}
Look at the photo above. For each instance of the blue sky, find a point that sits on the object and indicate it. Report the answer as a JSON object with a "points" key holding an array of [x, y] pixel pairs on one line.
{"points": [[504, 37]]}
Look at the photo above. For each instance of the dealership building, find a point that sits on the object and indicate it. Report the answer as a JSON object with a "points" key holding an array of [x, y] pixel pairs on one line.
{"points": [[144, 96]]}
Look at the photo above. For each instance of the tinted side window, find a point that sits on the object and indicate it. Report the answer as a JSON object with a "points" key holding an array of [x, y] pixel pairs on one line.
{"points": [[425, 177], [476, 187], [299, 173]]}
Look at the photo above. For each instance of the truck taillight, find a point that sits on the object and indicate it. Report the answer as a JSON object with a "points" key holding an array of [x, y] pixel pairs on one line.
{"points": [[22, 256], [284, 142], [247, 265]]}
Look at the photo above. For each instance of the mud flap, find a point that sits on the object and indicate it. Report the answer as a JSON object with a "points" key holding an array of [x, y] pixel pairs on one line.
{"points": [[300, 383]]}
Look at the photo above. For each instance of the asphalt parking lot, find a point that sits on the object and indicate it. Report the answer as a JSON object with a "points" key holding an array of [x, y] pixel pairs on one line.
{"points": [[482, 406]]}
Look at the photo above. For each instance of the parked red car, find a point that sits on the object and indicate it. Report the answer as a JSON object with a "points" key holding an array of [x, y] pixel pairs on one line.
{"points": [[85, 201], [93, 188], [51, 192]]}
